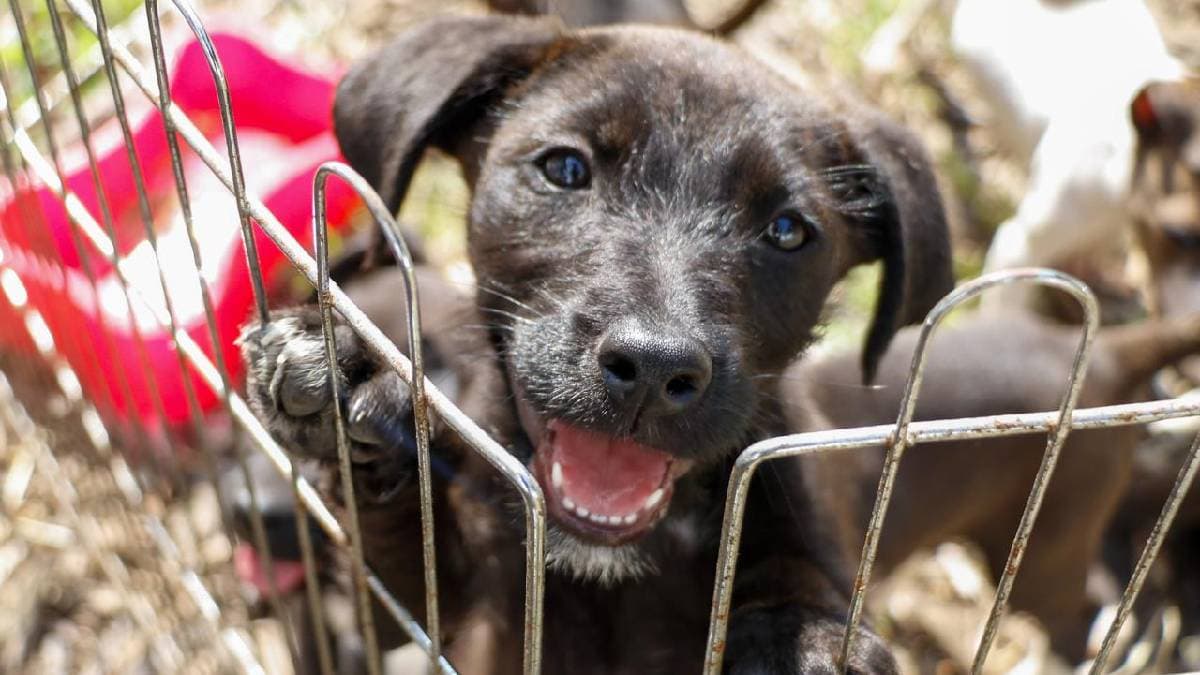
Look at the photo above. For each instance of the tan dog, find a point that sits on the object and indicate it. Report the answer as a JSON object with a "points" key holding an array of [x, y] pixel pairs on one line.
{"points": [[990, 365]]}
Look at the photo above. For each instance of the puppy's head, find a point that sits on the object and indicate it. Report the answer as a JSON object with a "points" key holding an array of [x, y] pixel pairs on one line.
{"points": [[1166, 117], [656, 223]]}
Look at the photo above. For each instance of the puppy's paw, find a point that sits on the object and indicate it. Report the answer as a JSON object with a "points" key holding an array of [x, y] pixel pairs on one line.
{"points": [[287, 386], [799, 641], [821, 645]]}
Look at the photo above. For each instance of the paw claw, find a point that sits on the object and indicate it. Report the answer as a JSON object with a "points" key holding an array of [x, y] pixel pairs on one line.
{"points": [[301, 381], [380, 413]]}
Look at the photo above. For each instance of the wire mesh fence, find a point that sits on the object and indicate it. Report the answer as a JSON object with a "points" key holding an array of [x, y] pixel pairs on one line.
{"points": [[104, 144]]}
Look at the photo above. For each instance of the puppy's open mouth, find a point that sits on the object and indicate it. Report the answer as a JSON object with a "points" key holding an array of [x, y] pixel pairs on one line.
{"points": [[603, 489]]}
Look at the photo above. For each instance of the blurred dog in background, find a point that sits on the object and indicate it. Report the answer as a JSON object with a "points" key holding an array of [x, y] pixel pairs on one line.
{"points": [[1060, 78]]}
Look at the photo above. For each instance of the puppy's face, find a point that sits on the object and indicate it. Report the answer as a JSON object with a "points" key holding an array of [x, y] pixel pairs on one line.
{"points": [[659, 221], [656, 223]]}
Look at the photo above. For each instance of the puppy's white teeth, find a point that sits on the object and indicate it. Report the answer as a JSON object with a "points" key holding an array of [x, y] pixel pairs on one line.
{"points": [[568, 504], [654, 499], [556, 478], [629, 519], [582, 512], [614, 520], [598, 519]]}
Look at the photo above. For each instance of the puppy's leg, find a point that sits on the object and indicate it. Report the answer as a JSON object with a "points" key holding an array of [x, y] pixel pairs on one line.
{"points": [[800, 634], [287, 386], [790, 605]]}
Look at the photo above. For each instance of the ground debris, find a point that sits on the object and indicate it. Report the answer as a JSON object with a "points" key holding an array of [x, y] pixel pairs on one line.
{"points": [[84, 587]]}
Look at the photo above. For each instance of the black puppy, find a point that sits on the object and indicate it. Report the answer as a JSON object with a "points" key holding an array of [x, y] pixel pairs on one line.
{"points": [[656, 223]]}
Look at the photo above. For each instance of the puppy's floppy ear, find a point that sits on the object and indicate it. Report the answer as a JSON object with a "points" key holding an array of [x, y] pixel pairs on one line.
{"points": [[906, 228], [428, 87]]}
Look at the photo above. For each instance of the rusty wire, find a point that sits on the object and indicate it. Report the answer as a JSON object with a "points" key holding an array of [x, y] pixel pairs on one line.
{"points": [[111, 565], [362, 602], [387, 224], [906, 433], [100, 236], [1162, 525], [252, 208], [901, 441]]}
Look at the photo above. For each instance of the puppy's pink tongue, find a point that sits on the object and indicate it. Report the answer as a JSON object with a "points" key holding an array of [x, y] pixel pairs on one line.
{"points": [[605, 475]]}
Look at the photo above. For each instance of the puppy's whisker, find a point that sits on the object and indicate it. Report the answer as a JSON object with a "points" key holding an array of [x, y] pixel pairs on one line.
{"points": [[510, 315], [848, 170], [506, 296], [487, 327], [495, 292], [558, 302]]}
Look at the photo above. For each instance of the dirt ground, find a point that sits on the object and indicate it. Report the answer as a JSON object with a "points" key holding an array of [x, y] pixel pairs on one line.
{"points": [[89, 584]]}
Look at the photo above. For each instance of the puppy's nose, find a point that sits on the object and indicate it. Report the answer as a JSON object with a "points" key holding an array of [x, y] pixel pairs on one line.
{"points": [[660, 373]]}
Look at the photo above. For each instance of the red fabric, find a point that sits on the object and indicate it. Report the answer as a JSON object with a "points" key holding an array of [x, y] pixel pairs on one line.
{"points": [[36, 235]]}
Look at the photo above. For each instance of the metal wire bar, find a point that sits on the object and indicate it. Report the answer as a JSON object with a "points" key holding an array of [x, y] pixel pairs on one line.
{"points": [[112, 565], [900, 435], [358, 562], [258, 532], [73, 233], [500, 459], [934, 431], [237, 179], [244, 417], [901, 442], [150, 377], [258, 529], [387, 223], [312, 585], [1054, 444], [72, 84], [139, 184], [38, 237], [196, 356], [41, 238], [1183, 482], [89, 65]]}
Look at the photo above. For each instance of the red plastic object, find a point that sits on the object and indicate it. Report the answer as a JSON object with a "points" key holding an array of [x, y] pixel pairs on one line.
{"points": [[284, 126]]}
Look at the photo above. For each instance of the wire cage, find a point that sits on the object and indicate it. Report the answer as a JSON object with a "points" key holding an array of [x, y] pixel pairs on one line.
{"points": [[144, 364]]}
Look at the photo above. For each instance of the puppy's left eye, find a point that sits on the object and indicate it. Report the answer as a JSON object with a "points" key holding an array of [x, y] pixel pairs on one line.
{"points": [[789, 231], [566, 168]]}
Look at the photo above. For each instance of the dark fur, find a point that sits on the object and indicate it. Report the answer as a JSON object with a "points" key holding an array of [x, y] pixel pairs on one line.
{"points": [[694, 148]]}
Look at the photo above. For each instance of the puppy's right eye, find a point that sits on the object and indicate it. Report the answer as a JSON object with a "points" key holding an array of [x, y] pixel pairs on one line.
{"points": [[566, 168]]}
